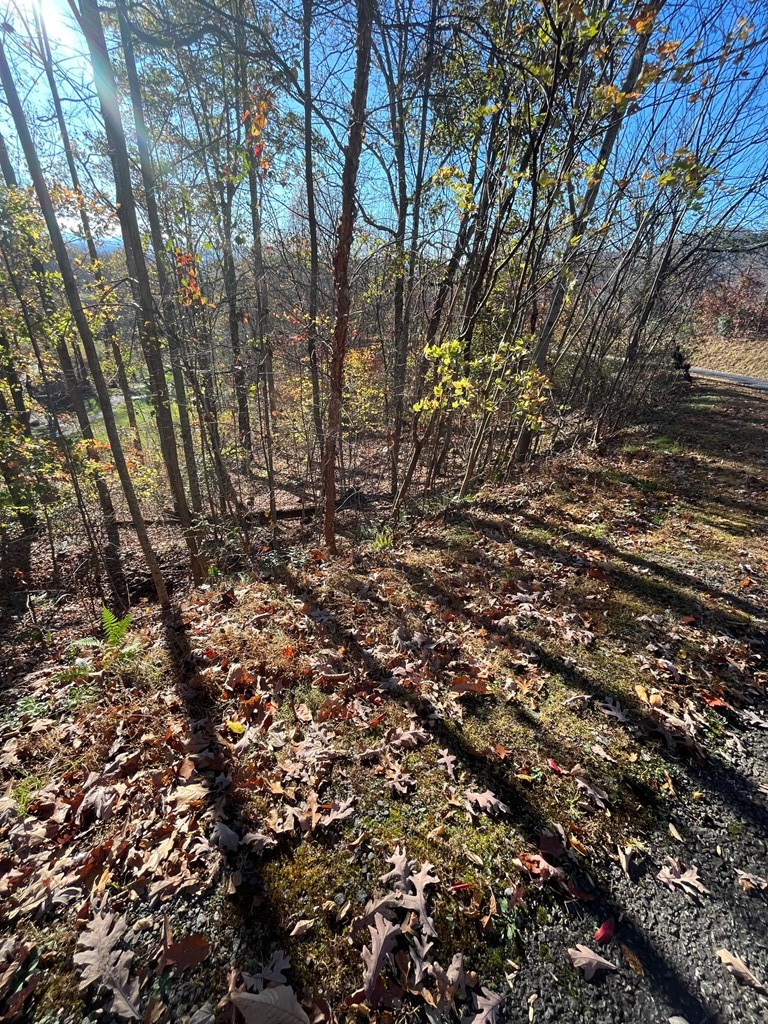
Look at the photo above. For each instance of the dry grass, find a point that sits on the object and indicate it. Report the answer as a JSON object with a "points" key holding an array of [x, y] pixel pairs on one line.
{"points": [[732, 355]]}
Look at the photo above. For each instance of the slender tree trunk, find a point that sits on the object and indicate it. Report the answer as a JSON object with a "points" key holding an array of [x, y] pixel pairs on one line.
{"points": [[110, 329], [341, 261], [314, 251], [402, 339], [106, 88], [112, 561], [541, 350], [156, 234], [71, 291], [233, 314]]}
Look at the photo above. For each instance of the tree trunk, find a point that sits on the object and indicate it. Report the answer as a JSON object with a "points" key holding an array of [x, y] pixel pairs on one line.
{"points": [[541, 350], [81, 321], [110, 330], [341, 261], [314, 252], [106, 88], [156, 234]]}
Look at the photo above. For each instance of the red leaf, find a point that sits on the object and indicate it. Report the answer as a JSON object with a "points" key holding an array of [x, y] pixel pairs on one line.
{"points": [[605, 932], [554, 766], [463, 684]]}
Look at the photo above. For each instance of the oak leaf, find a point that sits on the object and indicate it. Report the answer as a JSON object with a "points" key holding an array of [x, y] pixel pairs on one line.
{"points": [[276, 1005], [674, 874], [588, 961], [488, 1007], [106, 963], [486, 802], [383, 936], [739, 970]]}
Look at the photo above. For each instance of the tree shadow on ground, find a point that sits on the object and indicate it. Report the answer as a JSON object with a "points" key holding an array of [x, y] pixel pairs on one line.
{"points": [[662, 974]]}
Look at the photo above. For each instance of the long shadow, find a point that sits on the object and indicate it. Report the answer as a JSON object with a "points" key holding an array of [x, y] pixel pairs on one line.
{"points": [[250, 905], [718, 777], [662, 974], [641, 585]]}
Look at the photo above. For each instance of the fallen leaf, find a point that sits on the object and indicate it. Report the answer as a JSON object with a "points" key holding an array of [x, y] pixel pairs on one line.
{"points": [[540, 868], [605, 932], [186, 953], [588, 961], [276, 1005], [578, 846], [626, 853], [301, 928], [674, 874], [448, 761], [107, 964], [224, 837], [488, 1006], [463, 684], [383, 936], [486, 802], [751, 883], [633, 960], [739, 969], [602, 752]]}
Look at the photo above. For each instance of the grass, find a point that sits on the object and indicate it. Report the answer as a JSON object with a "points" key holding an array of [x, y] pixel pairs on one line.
{"points": [[25, 790], [732, 355]]}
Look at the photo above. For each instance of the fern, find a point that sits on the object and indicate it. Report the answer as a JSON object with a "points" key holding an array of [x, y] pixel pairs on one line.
{"points": [[114, 628]]}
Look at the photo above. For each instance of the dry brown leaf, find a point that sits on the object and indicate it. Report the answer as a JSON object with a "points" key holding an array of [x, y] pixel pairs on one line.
{"points": [[485, 801], [186, 953], [751, 883], [633, 961], [106, 963], [276, 1005], [739, 970], [674, 874], [301, 928], [588, 961], [383, 936]]}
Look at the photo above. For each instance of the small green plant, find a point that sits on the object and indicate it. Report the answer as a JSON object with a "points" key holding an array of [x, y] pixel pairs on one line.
{"points": [[383, 540], [31, 707], [24, 791], [81, 668], [115, 629], [80, 693], [13, 716]]}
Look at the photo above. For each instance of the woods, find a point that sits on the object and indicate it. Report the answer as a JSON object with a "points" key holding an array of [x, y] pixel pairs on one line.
{"points": [[280, 256], [383, 561]]}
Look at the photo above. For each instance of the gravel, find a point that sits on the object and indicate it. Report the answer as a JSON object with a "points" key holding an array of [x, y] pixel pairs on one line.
{"points": [[674, 936]]}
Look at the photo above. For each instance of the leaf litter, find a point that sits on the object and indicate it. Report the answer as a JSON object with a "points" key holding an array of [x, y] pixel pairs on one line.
{"points": [[309, 736]]}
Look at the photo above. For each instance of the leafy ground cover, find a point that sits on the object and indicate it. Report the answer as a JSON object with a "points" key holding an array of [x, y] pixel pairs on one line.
{"points": [[505, 762]]}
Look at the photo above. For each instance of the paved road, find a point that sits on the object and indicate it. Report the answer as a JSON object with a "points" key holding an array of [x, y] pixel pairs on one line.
{"points": [[732, 378]]}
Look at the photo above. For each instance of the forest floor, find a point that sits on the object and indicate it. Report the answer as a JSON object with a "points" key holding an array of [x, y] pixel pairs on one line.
{"points": [[509, 762]]}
